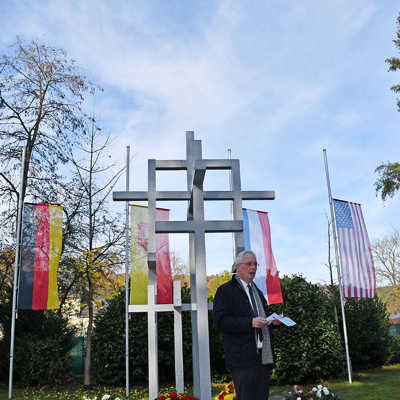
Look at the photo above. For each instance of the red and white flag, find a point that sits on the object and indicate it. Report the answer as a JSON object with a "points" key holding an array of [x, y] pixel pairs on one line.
{"points": [[257, 238], [358, 271]]}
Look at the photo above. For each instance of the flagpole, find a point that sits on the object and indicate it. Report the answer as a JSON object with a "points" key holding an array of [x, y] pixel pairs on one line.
{"points": [[127, 258], [346, 345], [17, 256]]}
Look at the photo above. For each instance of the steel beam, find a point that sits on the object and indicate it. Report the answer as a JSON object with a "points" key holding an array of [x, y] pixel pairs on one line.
{"points": [[196, 227]]}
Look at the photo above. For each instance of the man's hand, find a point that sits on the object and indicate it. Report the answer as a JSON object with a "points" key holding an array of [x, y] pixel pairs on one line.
{"points": [[259, 322], [276, 322]]}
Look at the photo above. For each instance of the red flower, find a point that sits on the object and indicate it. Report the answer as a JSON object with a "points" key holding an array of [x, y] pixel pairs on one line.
{"points": [[298, 387], [231, 387], [173, 395]]}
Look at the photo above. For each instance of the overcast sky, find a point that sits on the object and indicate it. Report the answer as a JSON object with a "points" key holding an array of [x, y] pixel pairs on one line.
{"points": [[275, 81]]}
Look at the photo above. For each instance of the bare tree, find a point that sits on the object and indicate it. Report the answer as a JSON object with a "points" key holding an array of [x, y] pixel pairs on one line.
{"points": [[386, 254], [330, 266], [94, 250], [41, 95]]}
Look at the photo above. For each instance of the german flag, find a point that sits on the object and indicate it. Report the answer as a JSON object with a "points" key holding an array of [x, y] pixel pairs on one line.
{"points": [[41, 241]]}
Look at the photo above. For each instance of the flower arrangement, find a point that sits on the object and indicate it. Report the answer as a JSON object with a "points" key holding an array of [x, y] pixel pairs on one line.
{"points": [[228, 393], [79, 394], [104, 397], [174, 395], [312, 393]]}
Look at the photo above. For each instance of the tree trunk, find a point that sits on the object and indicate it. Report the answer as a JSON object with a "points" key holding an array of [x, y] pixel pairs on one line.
{"points": [[88, 355]]}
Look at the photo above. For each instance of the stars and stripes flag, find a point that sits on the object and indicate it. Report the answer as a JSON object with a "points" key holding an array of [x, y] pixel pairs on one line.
{"points": [[358, 271], [257, 238]]}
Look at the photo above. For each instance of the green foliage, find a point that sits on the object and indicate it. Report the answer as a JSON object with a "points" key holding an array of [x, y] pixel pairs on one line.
{"points": [[388, 182], [368, 332], [394, 62], [394, 350], [42, 361], [42, 343], [109, 343], [215, 281], [312, 350], [308, 352]]}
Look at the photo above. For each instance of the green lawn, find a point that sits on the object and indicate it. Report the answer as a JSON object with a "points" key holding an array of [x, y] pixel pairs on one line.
{"points": [[377, 384]]}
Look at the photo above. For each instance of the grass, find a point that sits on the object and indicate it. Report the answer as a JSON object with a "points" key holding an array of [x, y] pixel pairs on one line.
{"points": [[377, 384]]}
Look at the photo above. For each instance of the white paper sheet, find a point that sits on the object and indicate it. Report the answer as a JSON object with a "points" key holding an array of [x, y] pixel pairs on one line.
{"points": [[285, 320]]}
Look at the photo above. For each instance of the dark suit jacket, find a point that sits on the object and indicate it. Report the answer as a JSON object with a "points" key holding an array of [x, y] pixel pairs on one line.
{"points": [[233, 317]]}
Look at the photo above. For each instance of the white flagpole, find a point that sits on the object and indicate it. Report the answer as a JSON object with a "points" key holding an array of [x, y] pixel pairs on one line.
{"points": [[15, 286], [346, 345], [127, 258]]}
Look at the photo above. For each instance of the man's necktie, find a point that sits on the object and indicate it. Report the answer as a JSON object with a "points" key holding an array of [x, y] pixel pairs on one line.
{"points": [[255, 309]]}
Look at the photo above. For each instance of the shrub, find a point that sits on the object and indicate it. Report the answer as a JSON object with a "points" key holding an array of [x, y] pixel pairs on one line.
{"points": [[109, 343], [368, 332], [42, 343], [393, 350], [312, 349]]}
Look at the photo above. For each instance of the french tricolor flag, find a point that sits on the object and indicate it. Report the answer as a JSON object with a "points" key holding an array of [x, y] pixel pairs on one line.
{"points": [[257, 238]]}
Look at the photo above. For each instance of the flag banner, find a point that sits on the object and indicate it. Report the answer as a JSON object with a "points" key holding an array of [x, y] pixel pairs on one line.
{"points": [[139, 271], [41, 243], [358, 271], [257, 238]]}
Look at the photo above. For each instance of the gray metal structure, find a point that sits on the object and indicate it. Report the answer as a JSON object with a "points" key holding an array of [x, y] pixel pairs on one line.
{"points": [[196, 227]]}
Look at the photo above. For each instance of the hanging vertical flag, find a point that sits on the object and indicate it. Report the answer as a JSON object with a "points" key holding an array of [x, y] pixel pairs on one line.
{"points": [[41, 242], [257, 238], [139, 273], [358, 269]]}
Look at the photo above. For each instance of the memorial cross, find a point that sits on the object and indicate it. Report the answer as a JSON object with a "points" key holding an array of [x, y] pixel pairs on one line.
{"points": [[196, 227]]}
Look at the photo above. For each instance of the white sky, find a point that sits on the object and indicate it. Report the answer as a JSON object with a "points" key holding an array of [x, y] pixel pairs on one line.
{"points": [[274, 81]]}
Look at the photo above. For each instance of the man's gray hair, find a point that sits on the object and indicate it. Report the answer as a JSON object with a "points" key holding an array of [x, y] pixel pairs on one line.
{"points": [[239, 258]]}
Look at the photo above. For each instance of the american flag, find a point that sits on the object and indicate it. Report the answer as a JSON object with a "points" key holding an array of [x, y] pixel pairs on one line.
{"points": [[358, 271]]}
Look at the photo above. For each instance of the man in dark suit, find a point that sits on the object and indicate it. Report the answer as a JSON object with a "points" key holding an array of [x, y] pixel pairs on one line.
{"points": [[240, 312]]}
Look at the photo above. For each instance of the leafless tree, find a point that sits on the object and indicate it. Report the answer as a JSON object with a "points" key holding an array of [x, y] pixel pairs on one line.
{"points": [[98, 233], [330, 266], [41, 95], [386, 254]]}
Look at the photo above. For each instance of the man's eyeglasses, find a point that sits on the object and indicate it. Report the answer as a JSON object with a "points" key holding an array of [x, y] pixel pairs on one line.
{"points": [[249, 264]]}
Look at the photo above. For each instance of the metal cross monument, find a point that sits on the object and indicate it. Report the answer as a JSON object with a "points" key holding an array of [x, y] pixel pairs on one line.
{"points": [[196, 227]]}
